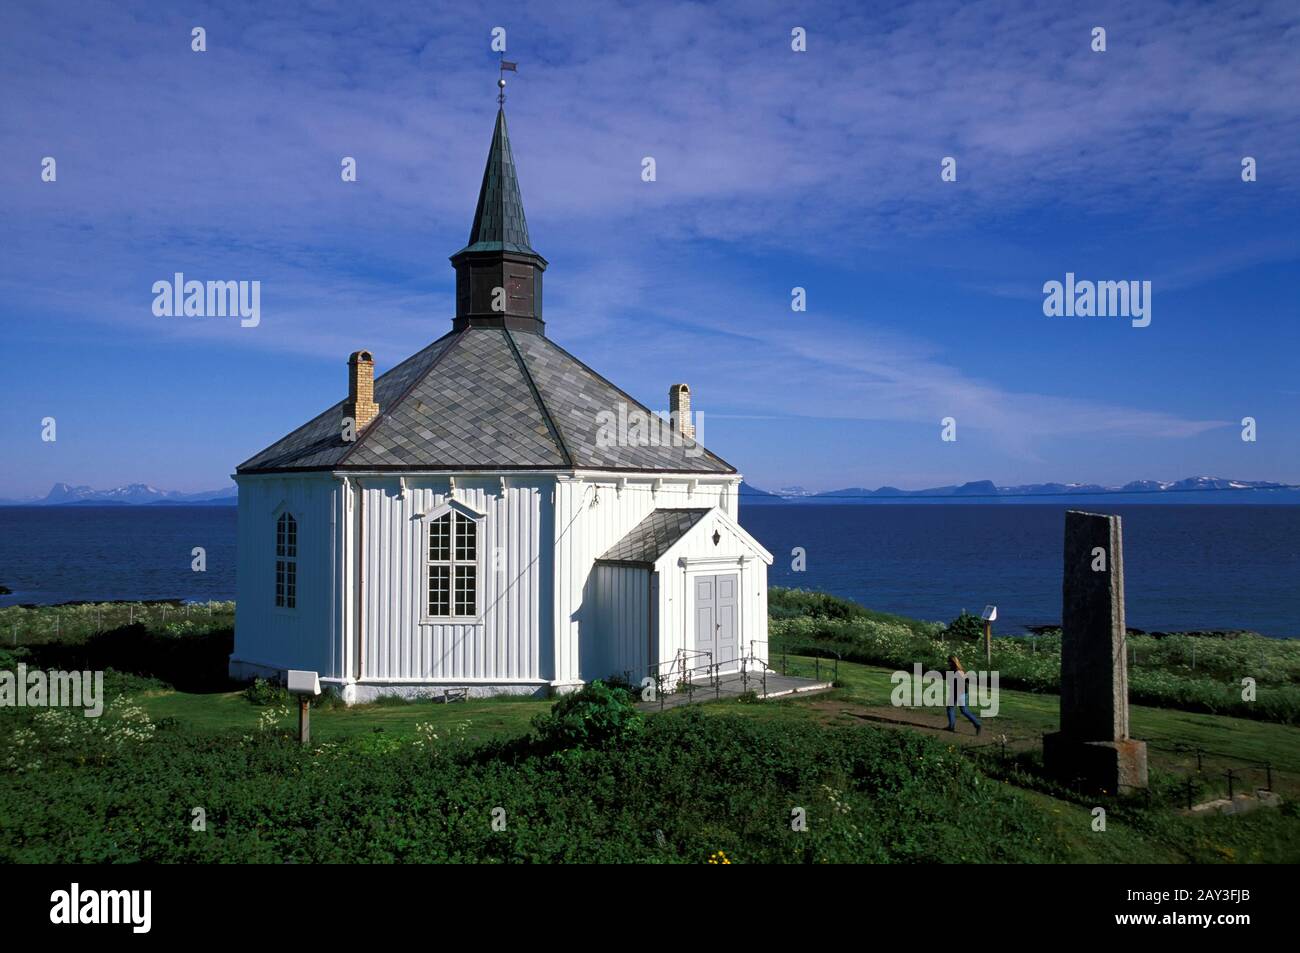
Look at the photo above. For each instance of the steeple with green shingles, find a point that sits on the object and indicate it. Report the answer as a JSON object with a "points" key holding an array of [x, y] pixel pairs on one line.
{"points": [[499, 274], [499, 223]]}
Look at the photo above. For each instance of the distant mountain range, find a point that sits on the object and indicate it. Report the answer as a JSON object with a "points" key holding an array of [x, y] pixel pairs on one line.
{"points": [[134, 494], [1192, 489]]}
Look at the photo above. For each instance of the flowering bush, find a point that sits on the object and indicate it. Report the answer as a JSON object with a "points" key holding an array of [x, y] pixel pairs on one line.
{"points": [[683, 787], [269, 718], [68, 733], [1200, 672], [434, 738]]}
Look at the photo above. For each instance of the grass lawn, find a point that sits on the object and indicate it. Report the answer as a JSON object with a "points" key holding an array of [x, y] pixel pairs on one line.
{"points": [[863, 698], [208, 713], [1005, 797], [1244, 745]]}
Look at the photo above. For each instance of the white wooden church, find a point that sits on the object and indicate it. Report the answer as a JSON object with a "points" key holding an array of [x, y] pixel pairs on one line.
{"points": [[483, 516]]}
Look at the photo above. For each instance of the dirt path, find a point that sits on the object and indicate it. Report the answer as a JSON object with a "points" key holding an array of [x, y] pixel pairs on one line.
{"points": [[933, 722]]}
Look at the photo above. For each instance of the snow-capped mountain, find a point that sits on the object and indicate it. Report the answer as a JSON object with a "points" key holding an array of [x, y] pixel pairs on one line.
{"points": [[1188, 490], [133, 494]]}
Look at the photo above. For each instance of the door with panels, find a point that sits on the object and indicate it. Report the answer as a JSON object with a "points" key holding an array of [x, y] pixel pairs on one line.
{"points": [[717, 619]]}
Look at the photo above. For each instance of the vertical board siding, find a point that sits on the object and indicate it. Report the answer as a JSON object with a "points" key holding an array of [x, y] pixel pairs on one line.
{"points": [[616, 644], [676, 597], [541, 541], [305, 637], [584, 532], [502, 643]]}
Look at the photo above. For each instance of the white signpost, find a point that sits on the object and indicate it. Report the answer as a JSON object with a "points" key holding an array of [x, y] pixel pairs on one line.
{"points": [[305, 685], [989, 615]]}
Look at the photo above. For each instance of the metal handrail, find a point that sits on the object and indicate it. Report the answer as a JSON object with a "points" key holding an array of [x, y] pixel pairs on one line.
{"points": [[681, 658], [679, 671]]}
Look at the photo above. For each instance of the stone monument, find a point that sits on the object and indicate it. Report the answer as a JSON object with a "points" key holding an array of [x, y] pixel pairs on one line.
{"points": [[1093, 745]]}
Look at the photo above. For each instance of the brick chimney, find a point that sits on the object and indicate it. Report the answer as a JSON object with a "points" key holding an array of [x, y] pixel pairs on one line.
{"points": [[679, 410], [361, 406]]}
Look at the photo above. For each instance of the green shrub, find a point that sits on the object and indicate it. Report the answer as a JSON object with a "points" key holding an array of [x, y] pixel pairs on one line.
{"points": [[186, 656], [1192, 671], [788, 603], [10, 657], [262, 692], [683, 787], [597, 716], [966, 627]]}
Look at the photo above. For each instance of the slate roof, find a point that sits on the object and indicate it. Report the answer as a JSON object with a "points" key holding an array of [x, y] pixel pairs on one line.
{"points": [[483, 399], [652, 537]]}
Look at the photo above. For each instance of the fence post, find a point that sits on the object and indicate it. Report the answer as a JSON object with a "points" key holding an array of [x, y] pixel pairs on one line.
{"points": [[1198, 760], [1230, 775]]}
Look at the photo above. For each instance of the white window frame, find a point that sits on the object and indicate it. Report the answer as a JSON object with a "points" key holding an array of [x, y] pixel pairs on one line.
{"points": [[281, 512], [479, 520]]}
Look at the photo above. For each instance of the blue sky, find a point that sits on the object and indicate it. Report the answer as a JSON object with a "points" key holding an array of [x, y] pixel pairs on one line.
{"points": [[775, 169]]}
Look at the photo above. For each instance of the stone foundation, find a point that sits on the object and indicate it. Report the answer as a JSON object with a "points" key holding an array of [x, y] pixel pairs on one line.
{"points": [[359, 693], [241, 671], [1110, 767]]}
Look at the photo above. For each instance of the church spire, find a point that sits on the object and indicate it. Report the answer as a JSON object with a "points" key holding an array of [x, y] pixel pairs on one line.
{"points": [[498, 273], [499, 223]]}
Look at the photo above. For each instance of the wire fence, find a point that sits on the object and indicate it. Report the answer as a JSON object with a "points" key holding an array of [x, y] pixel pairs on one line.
{"points": [[20, 626]]}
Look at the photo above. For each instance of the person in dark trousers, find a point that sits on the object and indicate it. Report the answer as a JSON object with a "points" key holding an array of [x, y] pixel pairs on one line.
{"points": [[957, 696]]}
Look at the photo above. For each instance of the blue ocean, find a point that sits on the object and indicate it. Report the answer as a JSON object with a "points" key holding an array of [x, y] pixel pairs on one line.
{"points": [[1187, 567]]}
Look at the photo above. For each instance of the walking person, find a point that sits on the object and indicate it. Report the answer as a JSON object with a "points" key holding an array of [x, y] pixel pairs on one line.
{"points": [[957, 695]]}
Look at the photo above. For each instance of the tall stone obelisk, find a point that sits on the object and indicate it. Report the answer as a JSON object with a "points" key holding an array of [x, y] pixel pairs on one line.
{"points": [[1093, 746]]}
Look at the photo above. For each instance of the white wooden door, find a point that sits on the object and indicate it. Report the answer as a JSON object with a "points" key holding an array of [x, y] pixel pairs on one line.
{"points": [[717, 619]]}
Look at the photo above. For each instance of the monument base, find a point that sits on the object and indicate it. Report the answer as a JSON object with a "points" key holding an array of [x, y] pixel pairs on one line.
{"points": [[1112, 767]]}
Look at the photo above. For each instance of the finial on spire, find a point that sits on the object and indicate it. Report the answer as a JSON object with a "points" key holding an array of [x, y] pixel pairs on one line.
{"points": [[501, 83]]}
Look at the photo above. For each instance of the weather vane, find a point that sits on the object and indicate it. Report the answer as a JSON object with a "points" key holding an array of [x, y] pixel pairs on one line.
{"points": [[501, 83]]}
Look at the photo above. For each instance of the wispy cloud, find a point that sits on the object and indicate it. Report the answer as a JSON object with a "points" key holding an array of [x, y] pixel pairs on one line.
{"points": [[226, 165]]}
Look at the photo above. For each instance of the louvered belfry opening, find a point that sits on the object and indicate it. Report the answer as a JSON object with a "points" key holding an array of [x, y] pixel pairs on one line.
{"points": [[498, 274]]}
